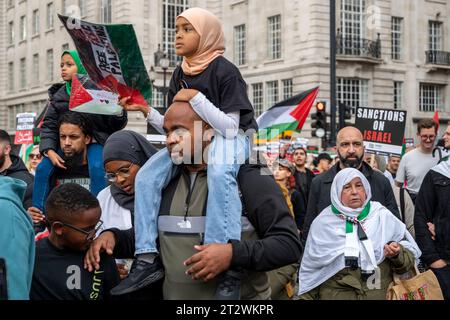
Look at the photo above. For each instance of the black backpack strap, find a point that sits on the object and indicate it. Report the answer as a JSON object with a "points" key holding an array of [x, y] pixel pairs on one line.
{"points": [[402, 203]]}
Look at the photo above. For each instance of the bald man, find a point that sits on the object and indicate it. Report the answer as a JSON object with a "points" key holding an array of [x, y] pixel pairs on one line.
{"points": [[193, 271], [350, 149]]}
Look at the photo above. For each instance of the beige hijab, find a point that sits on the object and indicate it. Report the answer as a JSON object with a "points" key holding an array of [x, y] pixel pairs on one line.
{"points": [[212, 40]]}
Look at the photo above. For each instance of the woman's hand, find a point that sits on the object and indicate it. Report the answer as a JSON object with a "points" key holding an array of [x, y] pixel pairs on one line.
{"points": [[36, 215], [56, 159], [392, 250], [123, 271], [124, 103]]}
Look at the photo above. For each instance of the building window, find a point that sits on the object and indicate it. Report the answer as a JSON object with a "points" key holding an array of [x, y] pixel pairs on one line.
{"points": [[272, 94], [353, 92], [274, 37], [398, 95], [431, 97], [258, 98], [50, 15], [82, 6], [287, 89], [353, 19], [106, 11], [13, 111], [35, 69], [11, 76], [23, 28], [435, 36], [157, 98], [171, 9], [10, 3], [397, 38], [35, 22], [65, 47], [23, 73], [240, 43], [11, 33], [50, 65]]}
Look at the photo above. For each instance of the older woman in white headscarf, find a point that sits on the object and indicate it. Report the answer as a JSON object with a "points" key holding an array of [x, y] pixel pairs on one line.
{"points": [[354, 246]]}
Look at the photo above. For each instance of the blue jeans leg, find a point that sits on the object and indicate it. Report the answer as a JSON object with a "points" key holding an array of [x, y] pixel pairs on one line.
{"points": [[224, 207], [41, 187], [96, 168], [150, 181]]}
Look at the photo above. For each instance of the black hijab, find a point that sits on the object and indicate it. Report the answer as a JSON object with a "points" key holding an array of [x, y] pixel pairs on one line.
{"points": [[126, 146]]}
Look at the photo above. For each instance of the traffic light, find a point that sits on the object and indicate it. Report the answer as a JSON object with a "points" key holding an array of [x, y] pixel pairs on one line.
{"points": [[319, 123], [345, 113]]}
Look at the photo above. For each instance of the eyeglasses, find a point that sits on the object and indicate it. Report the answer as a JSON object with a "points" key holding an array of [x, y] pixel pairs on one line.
{"points": [[34, 156], [430, 137], [123, 173], [90, 235]]}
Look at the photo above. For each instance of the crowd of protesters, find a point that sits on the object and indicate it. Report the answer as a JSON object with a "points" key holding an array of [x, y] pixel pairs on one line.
{"points": [[100, 214]]}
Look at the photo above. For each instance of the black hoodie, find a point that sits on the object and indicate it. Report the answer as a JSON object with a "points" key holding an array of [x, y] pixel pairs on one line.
{"points": [[58, 105], [18, 170]]}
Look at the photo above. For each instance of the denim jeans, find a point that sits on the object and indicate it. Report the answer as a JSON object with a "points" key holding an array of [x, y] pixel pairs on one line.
{"points": [[224, 207], [45, 171]]}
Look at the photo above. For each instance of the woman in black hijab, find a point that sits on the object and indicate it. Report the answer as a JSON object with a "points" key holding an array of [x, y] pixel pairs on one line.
{"points": [[124, 153]]}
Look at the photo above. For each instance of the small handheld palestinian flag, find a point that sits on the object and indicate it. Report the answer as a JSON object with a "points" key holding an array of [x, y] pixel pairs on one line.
{"points": [[289, 115], [112, 58], [86, 97]]}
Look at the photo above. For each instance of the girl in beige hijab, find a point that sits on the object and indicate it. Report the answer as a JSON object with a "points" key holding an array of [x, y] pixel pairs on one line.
{"points": [[217, 92]]}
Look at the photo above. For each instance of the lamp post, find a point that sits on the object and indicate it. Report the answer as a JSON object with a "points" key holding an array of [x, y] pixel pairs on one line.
{"points": [[165, 62], [162, 61]]}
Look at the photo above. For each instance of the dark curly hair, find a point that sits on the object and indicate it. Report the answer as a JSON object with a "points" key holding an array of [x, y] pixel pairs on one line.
{"points": [[68, 200]]}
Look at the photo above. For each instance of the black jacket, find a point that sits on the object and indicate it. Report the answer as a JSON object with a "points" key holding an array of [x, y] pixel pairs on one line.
{"points": [[268, 212], [299, 183], [319, 197], [433, 205], [58, 105], [19, 171]]}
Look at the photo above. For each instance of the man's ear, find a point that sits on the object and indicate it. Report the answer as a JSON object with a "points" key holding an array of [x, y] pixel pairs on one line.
{"points": [[208, 133], [87, 139], [57, 228], [7, 149]]}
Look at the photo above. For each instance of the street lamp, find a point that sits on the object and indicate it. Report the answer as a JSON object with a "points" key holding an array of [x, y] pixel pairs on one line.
{"points": [[162, 61], [165, 62]]}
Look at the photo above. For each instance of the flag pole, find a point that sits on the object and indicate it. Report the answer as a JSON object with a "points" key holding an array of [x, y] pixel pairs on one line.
{"points": [[332, 138]]}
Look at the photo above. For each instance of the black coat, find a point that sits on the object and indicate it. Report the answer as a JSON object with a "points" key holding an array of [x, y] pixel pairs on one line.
{"points": [[320, 198], [433, 205], [58, 105], [304, 187], [19, 171]]}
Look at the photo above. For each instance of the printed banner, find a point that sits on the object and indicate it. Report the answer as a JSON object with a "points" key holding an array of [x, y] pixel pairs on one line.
{"points": [[383, 130], [24, 128], [112, 58]]}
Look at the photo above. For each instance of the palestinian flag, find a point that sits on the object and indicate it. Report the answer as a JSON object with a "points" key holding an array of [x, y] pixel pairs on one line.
{"points": [[86, 97], [289, 115], [112, 58], [436, 118]]}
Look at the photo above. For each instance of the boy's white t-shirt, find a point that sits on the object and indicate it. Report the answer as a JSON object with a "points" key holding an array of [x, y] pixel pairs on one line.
{"points": [[413, 168]]}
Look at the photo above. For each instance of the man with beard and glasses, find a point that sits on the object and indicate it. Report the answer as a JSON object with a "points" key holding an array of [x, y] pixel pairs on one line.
{"points": [[75, 134], [350, 149], [13, 167]]}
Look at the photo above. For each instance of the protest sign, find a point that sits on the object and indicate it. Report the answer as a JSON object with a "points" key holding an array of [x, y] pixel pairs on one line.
{"points": [[383, 130], [24, 128], [112, 58]]}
